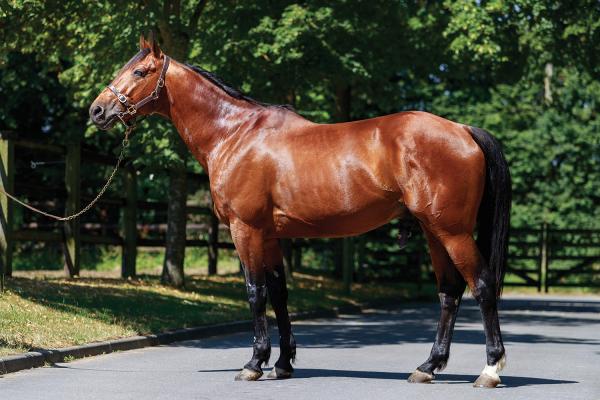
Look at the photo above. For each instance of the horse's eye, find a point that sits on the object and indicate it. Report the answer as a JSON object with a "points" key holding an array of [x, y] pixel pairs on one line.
{"points": [[138, 72]]}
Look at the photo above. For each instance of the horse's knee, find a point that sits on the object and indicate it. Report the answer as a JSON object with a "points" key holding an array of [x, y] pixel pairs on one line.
{"points": [[257, 297]]}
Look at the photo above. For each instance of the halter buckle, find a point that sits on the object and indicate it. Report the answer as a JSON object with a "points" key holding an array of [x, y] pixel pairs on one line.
{"points": [[122, 98], [160, 83]]}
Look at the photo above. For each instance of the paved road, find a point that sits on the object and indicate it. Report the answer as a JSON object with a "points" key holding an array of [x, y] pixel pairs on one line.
{"points": [[553, 347]]}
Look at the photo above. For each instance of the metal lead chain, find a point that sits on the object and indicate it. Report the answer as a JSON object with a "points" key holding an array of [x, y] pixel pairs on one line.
{"points": [[124, 146]]}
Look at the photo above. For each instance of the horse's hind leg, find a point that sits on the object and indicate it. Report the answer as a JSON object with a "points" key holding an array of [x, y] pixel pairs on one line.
{"points": [[451, 286], [468, 260], [278, 294]]}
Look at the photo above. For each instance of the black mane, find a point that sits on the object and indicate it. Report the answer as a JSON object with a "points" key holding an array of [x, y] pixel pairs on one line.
{"points": [[231, 91]]}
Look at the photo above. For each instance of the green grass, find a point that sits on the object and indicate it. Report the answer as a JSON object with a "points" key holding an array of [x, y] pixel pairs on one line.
{"points": [[42, 312], [108, 258], [150, 260]]}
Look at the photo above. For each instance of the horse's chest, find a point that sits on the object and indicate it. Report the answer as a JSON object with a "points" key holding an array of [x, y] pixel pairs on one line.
{"points": [[245, 200]]}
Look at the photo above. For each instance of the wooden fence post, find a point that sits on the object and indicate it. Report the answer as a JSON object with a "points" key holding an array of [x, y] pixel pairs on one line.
{"points": [[338, 257], [540, 259], [213, 244], [129, 254], [347, 263], [286, 250], [544, 257], [71, 228], [361, 257], [6, 208], [297, 251]]}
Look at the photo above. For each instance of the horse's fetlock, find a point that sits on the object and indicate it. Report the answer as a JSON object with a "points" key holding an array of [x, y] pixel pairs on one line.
{"points": [[287, 347], [262, 349], [439, 357], [495, 354]]}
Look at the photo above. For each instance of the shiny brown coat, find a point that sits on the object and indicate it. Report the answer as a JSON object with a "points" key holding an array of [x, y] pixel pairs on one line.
{"points": [[274, 174]]}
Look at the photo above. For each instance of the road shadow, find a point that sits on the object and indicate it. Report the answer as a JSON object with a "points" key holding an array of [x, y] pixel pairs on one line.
{"points": [[312, 373], [441, 379], [416, 323]]}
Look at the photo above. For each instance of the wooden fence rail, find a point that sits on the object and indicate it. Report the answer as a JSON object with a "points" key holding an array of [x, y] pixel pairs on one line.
{"points": [[547, 257], [71, 235]]}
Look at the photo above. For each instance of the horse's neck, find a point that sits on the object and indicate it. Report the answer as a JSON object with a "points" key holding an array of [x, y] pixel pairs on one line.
{"points": [[203, 114]]}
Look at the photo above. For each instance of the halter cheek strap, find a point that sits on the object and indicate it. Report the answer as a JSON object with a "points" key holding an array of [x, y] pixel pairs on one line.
{"points": [[131, 109]]}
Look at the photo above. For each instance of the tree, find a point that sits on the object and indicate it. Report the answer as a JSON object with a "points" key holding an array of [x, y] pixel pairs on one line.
{"points": [[74, 42], [477, 62]]}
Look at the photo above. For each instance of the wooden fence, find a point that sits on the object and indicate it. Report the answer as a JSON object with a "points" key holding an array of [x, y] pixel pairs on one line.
{"points": [[540, 257], [75, 233], [545, 257]]}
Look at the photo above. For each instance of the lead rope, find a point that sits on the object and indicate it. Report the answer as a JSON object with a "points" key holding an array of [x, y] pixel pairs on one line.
{"points": [[85, 209]]}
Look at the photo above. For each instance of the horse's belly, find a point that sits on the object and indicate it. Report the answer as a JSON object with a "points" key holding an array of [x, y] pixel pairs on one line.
{"points": [[337, 225]]}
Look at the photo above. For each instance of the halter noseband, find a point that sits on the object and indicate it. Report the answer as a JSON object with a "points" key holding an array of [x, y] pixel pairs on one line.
{"points": [[131, 109]]}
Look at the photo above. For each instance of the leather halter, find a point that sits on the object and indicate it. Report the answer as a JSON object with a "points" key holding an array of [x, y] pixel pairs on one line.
{"points": [[131, 109]]}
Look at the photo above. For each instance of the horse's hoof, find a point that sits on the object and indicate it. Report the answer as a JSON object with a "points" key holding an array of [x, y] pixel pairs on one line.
{"points": [[487, 381], [278, 373], [248, 375], [489, 377], [420, 377]]}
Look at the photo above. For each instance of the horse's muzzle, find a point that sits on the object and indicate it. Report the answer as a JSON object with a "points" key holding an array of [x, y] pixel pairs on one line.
{"points": [[102, 118]]}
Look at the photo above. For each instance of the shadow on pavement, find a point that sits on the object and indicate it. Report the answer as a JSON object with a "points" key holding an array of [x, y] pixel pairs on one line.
{"points": [[441, 379], [416, 323]]}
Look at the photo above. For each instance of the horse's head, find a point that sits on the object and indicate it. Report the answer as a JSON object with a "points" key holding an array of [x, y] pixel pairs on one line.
{"points": [[135, 90]]}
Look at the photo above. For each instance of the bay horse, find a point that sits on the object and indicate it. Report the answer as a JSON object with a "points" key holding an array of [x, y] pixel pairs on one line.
{"points": [[274, 174]]}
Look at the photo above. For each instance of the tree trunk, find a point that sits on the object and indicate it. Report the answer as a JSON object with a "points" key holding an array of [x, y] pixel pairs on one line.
{"points": [[176, 44], [172, 273]]}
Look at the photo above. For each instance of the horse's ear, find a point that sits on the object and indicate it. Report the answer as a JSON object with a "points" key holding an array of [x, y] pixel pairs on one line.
{"points": [[154, 45], [143, 42]]}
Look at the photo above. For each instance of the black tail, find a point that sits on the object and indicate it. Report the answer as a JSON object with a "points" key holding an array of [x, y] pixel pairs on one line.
{"points": [[494, 211]]}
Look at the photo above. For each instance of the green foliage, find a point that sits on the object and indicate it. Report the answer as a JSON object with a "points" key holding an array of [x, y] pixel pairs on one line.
{"points": [[553, 149], [477, 62]]}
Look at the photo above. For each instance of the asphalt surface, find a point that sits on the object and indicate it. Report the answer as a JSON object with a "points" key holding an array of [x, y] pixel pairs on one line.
{"points": [[553, 350]]}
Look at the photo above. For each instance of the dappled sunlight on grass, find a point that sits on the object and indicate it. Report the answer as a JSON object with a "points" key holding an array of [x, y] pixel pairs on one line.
{"points": [[39, 310]]}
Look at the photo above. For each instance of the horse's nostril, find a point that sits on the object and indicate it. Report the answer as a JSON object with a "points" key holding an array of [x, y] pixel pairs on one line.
{"points": [[98, 113]]}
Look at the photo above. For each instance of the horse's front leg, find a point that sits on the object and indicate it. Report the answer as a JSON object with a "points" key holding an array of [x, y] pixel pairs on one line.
{"points": [[249, 244], [278, 294]]}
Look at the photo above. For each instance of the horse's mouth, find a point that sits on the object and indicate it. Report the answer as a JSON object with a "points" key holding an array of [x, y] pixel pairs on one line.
{"points": [[109, 123]]}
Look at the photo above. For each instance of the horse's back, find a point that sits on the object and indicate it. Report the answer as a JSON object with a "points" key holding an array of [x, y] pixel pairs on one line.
{"points": [[341, 179], [351, 177]]}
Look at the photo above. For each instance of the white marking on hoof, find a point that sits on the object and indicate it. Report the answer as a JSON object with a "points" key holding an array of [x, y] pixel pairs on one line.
{"points": [[278, 373], [248, 375], [489, 377], [491, 371], [420, 377]]}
